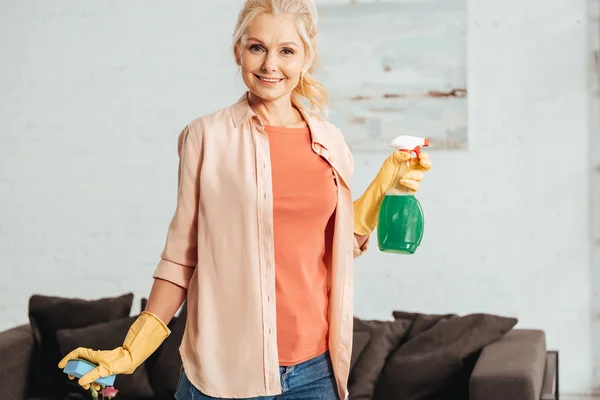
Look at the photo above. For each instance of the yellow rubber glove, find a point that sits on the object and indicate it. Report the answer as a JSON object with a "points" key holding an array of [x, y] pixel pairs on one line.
{"points": [[145, 336], [412, 170]]}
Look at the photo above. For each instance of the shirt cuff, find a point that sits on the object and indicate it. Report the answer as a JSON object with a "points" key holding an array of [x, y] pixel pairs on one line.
{"points": [[178, 274], [359, 250]]}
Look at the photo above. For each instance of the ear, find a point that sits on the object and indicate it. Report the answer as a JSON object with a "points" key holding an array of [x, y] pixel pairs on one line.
{"points": [[309, 62], [236, 53], [310, 58]]}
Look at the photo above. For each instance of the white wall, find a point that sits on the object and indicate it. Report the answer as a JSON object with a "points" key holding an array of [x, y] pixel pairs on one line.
{"points": [[594, 154], [93, 96]]}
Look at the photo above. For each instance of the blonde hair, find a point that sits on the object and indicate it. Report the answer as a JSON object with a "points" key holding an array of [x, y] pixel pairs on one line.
{"points": [[304, 14]]}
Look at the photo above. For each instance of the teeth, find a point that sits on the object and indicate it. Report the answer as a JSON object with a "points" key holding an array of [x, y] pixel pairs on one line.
{"points": [[269, 80]]}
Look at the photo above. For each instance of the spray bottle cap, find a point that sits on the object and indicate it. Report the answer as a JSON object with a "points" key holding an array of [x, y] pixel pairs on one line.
{"points": [[410, 144]]}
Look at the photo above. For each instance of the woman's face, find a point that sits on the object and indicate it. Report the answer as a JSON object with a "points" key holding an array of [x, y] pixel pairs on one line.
{"points": [[271, 57]]}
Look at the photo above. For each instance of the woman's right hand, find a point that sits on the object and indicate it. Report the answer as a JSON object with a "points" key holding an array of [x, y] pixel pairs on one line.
{"points": [[145, 336]]}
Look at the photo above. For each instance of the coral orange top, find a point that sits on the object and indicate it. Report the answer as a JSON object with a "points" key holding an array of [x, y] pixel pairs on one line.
{"points": [[304, 200]]}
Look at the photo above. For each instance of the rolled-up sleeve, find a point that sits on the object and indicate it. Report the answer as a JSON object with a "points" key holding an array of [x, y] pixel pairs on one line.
{"points": [[359, 250], [179, 256]]}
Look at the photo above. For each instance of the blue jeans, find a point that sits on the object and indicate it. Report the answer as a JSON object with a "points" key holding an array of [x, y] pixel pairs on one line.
{"points": [[309, 380]]}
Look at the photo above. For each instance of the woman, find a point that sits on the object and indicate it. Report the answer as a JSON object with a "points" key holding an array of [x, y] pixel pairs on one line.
{"points": [[264, 233]]}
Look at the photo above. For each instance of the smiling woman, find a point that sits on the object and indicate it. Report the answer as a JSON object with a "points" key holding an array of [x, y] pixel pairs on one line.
{"points": [[274, 44], [264, 233]]}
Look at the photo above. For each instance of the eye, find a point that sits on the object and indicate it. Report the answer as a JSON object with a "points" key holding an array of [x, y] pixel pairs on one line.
{"points": [[256, 48], [287, 51]]}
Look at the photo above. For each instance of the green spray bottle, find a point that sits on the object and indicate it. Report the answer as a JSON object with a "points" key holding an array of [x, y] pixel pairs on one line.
{"points": [[401, 222]]}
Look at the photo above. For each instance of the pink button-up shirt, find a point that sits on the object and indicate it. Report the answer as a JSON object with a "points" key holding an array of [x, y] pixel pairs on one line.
{"points": [[220, 247]]}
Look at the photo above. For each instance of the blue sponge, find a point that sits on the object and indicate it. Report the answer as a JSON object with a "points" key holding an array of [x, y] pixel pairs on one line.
{"points": [[79, 368]]}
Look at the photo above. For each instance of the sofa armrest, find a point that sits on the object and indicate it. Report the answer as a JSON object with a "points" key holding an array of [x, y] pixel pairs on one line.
{"points": [[510, 368], [16, 351], [550, 387]]}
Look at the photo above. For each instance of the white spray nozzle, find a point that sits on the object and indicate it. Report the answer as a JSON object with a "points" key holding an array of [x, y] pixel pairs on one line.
{"points": [[410, 144]]}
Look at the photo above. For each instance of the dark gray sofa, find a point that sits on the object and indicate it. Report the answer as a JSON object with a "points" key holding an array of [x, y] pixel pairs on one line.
{"points": [[516, 366]]}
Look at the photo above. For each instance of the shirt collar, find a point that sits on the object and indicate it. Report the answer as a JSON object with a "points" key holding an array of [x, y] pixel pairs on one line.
{"points": [[242, 112]]}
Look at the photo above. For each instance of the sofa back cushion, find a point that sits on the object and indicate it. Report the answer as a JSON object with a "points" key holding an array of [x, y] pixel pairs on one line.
{"points": [[438, 356], [107, 336], [373, 342], [48, 314], [165, 365]]}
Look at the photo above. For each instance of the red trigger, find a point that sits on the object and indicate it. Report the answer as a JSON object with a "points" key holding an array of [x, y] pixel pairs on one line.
{"points": [[417, 151]]}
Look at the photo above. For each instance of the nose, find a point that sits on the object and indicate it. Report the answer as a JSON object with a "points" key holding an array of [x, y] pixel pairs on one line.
{"points": [[270, 63]]}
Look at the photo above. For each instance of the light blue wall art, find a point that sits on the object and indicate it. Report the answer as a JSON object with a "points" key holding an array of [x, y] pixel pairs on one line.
{"points": [[395, 67]]}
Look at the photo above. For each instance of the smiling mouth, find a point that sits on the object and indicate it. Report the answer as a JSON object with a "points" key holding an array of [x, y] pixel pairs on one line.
{"points": [[269, 80]]}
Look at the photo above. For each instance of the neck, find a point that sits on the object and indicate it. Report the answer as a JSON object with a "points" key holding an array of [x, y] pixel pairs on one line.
{"points": [[279, 112]]}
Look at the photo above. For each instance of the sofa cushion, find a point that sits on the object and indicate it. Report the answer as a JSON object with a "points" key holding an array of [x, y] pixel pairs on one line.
{"points": [[419, 322], [383, 338], [165, 364], [438, 357], [107, 336], [16, 349], [360, 340], [48, 314]]}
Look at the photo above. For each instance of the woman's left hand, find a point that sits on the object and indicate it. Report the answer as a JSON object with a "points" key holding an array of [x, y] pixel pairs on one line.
{"points": [[411, 171], [415, 171]]}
